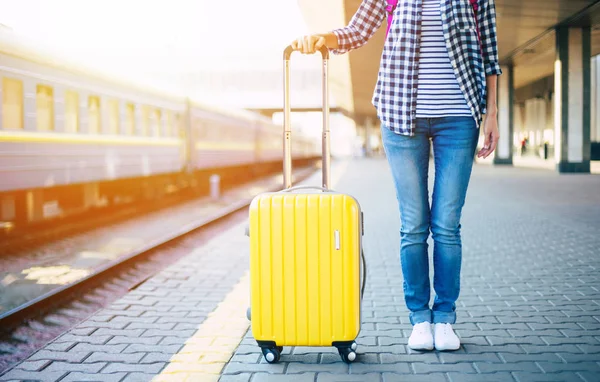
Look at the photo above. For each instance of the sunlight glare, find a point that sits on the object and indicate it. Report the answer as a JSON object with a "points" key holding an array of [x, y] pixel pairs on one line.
{"points": [[148, 39]]}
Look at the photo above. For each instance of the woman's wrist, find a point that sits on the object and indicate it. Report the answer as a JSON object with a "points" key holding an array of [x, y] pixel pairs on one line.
{"points": [[492, 111], [331, 40]]}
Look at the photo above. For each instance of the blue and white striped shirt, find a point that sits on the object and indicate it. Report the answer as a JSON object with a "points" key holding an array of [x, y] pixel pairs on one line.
{"points": [[438, 92], [472, 59]]}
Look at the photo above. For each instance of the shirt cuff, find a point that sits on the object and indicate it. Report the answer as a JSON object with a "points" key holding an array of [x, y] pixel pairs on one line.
{"points": [[343, 38], [492, 68]]}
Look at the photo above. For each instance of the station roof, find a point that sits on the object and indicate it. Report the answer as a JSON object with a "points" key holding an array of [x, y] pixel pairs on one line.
{"points": [[525, 36]]}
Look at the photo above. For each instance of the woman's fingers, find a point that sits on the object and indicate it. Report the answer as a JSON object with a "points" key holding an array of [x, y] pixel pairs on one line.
{"points": [[308, 44], [486, 144], [490, 144], [305, 44], [319, 43]]}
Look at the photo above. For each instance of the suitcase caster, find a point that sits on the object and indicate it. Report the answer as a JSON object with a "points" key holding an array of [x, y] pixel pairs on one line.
{"points": [[272, 354], [347, 351], [249, 314], [348, 355]]}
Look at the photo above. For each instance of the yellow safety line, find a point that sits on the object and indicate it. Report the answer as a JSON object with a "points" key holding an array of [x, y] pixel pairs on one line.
{"points": [[212, 346]]}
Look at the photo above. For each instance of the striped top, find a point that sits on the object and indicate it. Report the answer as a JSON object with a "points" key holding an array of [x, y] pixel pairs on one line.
{"points": [[438, 93]]}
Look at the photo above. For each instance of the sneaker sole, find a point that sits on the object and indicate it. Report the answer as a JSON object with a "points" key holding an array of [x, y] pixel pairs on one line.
{"points": [[421, 348], [447, 349]]}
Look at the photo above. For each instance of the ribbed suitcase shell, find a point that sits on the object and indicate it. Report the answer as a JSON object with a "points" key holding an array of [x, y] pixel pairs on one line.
{"points": [[305, 289]]}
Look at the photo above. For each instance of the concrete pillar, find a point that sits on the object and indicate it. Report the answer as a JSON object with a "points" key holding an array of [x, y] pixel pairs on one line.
{"points": [[595, 125], [572, 101], [504, 150]]}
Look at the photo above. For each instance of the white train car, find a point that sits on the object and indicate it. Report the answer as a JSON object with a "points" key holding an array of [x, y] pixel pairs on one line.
{"points": [[74, 139]]}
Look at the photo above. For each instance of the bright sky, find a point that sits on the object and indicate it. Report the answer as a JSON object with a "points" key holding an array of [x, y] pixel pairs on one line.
{"points": [[150, 36]]}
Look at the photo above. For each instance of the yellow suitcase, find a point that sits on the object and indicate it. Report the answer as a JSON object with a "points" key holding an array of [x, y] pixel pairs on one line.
{"points": [[305, 258]]}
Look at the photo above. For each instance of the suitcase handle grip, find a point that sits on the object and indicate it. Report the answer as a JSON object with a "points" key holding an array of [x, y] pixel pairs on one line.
{"points": [[287, 53], [287, 131], [307, 188]]}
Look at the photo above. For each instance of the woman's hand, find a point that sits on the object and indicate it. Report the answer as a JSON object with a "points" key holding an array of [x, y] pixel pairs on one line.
{"points": [[310, 44], [491, 134]]}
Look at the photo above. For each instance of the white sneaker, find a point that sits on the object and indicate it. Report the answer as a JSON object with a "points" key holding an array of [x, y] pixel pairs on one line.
{"points": [[445, 338], [421, 337]]}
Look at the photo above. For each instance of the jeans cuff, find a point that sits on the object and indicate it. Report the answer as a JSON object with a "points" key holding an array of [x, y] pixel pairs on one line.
{"points": [[420, 316], [444, 317]]}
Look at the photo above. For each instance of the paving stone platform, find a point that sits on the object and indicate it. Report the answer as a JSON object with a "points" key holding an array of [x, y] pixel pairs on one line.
{"points": [[529, 308]]}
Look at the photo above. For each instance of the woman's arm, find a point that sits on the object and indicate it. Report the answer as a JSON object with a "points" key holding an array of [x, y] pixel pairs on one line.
{"points": [[486, 16], [492, 106], [486, 19], [363, 25], [490, 128]]}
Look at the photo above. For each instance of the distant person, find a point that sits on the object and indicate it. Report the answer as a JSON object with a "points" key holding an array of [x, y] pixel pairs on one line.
{"points": [[437, 78]]}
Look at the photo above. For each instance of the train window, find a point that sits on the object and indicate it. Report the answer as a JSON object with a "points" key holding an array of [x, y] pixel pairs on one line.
{"points": [[94, 121], [130, 119], [145, 120], [12, 103], [44, 108], [71, 112], [113, 116], [156, 126]]}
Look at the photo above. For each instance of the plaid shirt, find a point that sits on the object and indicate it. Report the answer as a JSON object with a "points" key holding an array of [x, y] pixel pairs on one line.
{"points": [[395, 93]]}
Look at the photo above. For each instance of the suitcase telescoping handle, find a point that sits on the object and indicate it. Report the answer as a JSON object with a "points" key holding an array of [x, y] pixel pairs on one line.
{"points": [[287, 131]]}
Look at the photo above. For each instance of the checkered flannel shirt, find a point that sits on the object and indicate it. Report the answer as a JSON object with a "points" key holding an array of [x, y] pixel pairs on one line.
{"points": [[395, 93]]}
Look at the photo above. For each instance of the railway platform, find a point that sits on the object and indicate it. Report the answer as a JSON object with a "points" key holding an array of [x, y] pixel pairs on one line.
{"points": [[529, 308]]}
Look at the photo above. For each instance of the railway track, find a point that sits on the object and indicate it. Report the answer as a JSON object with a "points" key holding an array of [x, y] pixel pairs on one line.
{"points": [[32, 324]]}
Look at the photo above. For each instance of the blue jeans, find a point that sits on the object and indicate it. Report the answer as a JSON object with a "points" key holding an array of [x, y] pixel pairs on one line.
{"points": [[454, 143]]}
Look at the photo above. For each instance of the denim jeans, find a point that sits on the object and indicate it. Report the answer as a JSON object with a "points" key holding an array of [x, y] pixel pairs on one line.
{"points": [[454, 143]]}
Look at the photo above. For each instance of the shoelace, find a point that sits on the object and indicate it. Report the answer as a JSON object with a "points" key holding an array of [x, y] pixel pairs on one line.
{"points": [[445, 328]]}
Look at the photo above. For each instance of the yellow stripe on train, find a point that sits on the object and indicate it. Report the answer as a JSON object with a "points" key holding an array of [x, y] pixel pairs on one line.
{"points": [[38, 137], [230, 146]]}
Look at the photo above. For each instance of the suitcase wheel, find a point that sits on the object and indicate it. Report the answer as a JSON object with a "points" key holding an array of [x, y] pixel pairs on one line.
{"points": [[249, 314], [272, 354], [348, 353]]}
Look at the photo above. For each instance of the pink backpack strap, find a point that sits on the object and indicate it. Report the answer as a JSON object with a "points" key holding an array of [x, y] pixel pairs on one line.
{"points": [[475, 5], [391, 6]]}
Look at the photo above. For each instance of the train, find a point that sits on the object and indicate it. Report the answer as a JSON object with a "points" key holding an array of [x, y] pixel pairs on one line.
{"points": [[73, 138]]}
